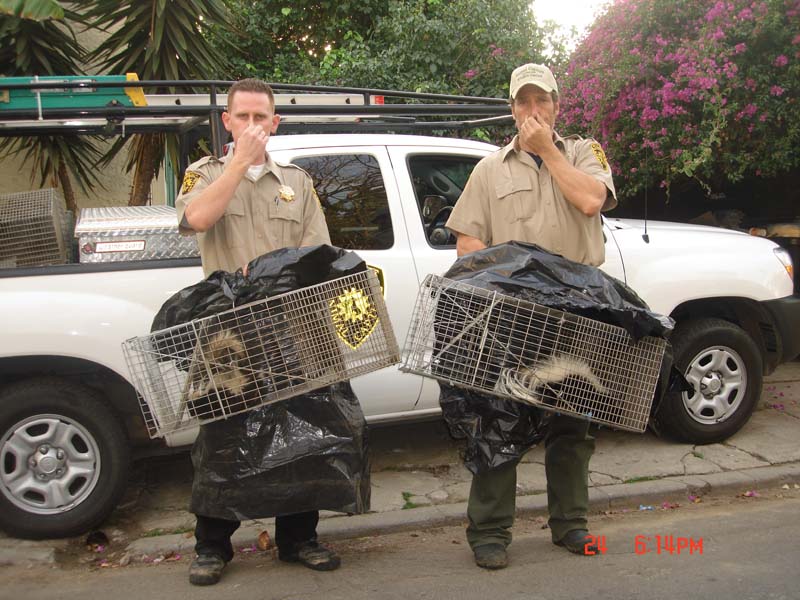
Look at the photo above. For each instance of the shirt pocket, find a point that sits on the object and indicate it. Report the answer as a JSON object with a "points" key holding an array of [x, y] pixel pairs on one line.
{"points": [[235, 224], [515, 199], [285, 219], [285, 211]]}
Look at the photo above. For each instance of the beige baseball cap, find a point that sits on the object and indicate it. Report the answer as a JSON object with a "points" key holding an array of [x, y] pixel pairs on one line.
{"points": [[537, 75]]}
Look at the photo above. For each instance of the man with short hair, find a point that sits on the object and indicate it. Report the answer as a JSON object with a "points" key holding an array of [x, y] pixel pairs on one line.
{"points": [[242, 206], [549, 190]]}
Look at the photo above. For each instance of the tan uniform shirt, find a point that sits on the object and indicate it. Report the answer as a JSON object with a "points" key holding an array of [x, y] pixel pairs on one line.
{"points": [[279, 209], [508, 197]]}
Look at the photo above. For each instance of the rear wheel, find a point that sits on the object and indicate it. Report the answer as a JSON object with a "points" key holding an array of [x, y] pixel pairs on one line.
{"points": [[723, 365], [63, 459]]}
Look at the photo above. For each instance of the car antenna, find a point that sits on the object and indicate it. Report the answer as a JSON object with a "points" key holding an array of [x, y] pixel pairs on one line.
{"points": [[645, 235]]}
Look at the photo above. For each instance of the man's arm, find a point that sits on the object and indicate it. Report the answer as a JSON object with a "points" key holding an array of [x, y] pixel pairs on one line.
{"points": [[466, 244], [209, 205], [580, 189]]}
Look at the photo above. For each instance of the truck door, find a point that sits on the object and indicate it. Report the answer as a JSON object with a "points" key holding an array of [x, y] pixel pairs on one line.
{"points": [[431, 179], [361, 201]]}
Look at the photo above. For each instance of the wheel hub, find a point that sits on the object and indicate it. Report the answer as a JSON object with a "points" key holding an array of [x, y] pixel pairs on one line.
{"points": [[711, 384], [48, 462]]}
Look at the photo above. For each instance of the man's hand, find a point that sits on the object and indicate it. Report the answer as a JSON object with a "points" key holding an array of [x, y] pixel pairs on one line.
{"points": [[251, 145], [535, 135]]}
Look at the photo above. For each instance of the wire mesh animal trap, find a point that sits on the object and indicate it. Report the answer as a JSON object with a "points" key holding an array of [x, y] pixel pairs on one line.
{"points": [[270, 350], [34, 229], [496, 344]]}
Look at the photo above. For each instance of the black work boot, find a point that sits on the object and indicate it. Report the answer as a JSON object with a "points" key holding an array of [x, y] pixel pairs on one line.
{"points": [[206, 569], [313, 555], [578, 541], [491, 556]]}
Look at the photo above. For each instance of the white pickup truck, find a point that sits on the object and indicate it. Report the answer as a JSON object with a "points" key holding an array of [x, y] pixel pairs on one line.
{"points": [[69, 418]]}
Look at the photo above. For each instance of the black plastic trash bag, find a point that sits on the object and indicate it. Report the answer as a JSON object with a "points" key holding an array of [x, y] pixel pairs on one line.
{"points": [[305, 453], [499, 431], [528, 272]]}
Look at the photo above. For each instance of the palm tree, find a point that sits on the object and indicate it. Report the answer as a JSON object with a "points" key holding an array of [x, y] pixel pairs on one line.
{"points": [[158, 40], [36, 10], [37, 38]]}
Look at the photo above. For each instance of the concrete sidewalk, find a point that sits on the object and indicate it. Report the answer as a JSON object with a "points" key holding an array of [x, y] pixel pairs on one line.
{"points": [[418, 482]]}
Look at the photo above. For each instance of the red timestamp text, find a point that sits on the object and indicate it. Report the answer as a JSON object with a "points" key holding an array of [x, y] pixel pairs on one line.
{"points": [[667, 544], [649, 544]]}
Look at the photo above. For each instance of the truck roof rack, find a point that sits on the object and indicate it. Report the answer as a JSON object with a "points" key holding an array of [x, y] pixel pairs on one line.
{"points": [[117, 105]]}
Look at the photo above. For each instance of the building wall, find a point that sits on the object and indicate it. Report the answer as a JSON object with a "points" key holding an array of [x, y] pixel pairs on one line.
{"points": [[15, 176]]}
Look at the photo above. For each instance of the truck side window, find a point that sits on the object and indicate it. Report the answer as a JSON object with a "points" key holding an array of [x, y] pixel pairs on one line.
{"points": [[351, 191], [438, 182]]}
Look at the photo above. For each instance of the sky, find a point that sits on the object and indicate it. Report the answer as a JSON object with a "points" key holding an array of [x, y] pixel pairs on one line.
{"points": [[568, 13]]}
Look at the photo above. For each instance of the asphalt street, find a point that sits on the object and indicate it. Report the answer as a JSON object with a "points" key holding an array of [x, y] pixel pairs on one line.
{"points": [[742, 547]]}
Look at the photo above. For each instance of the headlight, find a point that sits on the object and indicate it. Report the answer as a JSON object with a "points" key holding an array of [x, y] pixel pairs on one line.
{"points": [[786, 260]]}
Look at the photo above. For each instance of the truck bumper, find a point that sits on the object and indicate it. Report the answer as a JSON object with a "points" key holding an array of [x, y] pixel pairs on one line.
{"points": [[785, 314]]}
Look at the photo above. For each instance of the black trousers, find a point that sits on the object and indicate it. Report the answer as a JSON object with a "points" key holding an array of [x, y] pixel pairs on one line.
{"points": [[214, 535]]}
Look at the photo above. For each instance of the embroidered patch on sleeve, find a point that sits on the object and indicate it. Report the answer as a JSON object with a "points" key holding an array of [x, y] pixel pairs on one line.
{"points": [[189, 180], [600, 155]]}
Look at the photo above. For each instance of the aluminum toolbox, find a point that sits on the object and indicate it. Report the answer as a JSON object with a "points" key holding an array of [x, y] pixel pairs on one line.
{"points": [[120, 233], [33, 229]]}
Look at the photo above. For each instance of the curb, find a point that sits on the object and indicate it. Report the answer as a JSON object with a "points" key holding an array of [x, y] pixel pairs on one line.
{"points": [[602, 498]]}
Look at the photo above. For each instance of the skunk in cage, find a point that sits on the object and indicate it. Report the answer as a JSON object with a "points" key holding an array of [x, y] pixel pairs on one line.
{"points": [[265, 351], [548, 381], [239, 361], [482, 340]]}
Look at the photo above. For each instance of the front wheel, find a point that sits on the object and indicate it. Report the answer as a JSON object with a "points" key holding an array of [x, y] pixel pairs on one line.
{"points": [[723, 365], [63, 459]]}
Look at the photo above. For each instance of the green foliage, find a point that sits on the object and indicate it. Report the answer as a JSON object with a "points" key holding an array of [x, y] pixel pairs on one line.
{"points": [[459, 46], [159, 39], [690, 91], [38, 47], [407, 503], [282, 41], [47, 47], [36, 10]]}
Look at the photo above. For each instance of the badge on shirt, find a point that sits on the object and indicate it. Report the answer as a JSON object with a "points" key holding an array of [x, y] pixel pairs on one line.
{"points": [[189, 180], [286, 193], [601, 156]]}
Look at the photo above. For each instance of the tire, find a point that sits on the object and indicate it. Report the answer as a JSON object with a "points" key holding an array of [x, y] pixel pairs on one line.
{"points": [[64, 459], [720, 358]]}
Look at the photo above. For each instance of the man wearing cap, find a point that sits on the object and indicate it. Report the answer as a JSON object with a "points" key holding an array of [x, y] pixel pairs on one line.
{"points": [[549, 190]]}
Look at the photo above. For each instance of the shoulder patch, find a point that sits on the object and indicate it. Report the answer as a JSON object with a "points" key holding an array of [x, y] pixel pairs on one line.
{"points": [[600, 155], [189, 180]]}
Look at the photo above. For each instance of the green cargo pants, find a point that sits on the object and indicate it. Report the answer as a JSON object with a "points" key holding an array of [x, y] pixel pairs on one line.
{"points": [[492, 497]]}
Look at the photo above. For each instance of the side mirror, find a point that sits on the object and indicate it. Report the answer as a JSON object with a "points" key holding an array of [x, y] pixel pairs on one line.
{"points": [[431, 206]]}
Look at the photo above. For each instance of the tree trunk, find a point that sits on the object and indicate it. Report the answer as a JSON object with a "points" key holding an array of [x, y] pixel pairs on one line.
{"points": [[148, 154], [66, 187]]}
